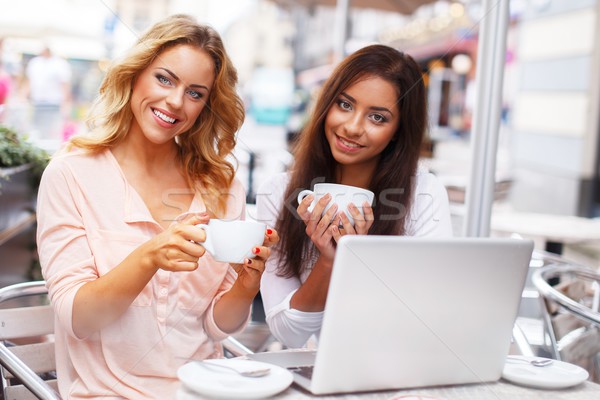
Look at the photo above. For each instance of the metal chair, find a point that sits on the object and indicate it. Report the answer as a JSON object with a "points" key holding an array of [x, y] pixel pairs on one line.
{"points": [[571, 302], [27, 343]]}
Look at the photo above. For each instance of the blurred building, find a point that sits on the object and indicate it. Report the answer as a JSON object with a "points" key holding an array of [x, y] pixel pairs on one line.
{"points": [[551, 115], [556, 108]]}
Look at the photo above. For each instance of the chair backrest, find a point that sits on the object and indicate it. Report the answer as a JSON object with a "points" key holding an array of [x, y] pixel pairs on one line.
{"points": [[27, 356], [571, 296]]}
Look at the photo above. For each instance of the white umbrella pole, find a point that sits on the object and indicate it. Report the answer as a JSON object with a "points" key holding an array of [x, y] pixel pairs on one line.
{"points": [[486, 119], [341, 29]]}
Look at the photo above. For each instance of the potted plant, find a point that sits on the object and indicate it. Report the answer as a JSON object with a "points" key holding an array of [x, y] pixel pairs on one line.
{"points": [[21, 167]]}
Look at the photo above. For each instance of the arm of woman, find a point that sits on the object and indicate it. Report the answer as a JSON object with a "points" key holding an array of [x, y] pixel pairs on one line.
{"points": [[290, 326], [233, 308], [321, 229], [101, 301]]}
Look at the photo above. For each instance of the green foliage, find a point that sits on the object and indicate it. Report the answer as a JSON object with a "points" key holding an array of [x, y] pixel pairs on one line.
{"points": [[16, 150]]}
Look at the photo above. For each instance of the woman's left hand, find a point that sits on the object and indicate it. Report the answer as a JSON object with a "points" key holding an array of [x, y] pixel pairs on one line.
{"points": [[362, 224], [250, 272]]}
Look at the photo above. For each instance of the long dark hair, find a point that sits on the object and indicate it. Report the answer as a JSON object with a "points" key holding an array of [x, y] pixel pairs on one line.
{"points": [[392, 182]]}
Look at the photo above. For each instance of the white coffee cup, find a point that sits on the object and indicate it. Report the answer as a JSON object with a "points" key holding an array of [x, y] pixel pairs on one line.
{"points": [[232, 241], [342, 195]]}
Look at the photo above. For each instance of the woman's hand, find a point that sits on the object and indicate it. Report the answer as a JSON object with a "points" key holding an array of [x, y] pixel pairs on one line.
{"points": [[250, 272], [176, 248], [319, 228], [362, 224]]}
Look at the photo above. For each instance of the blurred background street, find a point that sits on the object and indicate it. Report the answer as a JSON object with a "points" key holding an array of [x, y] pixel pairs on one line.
{"points": [[547, 161]]}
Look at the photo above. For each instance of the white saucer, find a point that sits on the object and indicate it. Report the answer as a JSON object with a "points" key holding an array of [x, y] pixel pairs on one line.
{"points": [[557, 375], [222, 383]]}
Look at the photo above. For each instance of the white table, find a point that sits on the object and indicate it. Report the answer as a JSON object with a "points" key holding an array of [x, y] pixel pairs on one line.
{"points": [[556, 230], [493, 391], [500, 390]]}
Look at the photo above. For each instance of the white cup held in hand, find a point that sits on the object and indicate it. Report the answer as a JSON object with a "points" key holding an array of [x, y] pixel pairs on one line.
{"points": [[232, 241], [342, 195]]}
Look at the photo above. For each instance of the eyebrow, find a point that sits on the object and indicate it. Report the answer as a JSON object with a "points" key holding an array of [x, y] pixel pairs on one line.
{"points": [[174, 76], [375, 108]]}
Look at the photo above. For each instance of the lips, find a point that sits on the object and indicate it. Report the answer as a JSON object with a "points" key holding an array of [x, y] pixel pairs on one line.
{"points": [[347, 145], [164, 117]]}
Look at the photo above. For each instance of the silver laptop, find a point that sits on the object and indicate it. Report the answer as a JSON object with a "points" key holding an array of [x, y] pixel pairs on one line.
{"points": [[408, 312]]}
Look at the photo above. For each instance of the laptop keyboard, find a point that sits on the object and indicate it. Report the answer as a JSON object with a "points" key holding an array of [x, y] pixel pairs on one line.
{"points": [[305, 371]]}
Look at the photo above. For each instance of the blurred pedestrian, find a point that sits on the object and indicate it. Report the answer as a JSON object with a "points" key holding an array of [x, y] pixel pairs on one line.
{"points": [[48, 87], [365, 130], [5, 83]]}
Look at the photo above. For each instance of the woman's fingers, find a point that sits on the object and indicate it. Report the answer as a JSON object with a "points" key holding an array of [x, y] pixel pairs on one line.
{"points": [[316, 231], [194, 218], [271, 237], [336, 233], [254, 264], [250, 272], [369, 216], [179, 247], [346, 225], [192, 249], [303, 208], [315, 215], [185, 266], [172, 259], [187, 231], [319, 207], [362, 223], [261, 253]]}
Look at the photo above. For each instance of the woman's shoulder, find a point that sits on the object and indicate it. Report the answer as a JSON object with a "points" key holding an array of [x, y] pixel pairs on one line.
{"points": [[77, 160], [427, 181]]}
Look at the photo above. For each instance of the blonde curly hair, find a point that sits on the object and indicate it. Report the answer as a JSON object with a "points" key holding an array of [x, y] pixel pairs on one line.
{"points": [[204, 148]]}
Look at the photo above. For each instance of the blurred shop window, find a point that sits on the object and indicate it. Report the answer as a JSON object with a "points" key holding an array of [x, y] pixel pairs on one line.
{"points": [[449, 112], [272, 95]]}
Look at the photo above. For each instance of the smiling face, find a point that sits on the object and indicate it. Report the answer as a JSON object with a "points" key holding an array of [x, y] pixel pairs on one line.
{"points": [[170, 93], [361, 123]]}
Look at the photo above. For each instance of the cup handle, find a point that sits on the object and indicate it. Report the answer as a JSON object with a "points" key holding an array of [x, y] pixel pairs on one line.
{"points": [[207, 244], [303, 194]]}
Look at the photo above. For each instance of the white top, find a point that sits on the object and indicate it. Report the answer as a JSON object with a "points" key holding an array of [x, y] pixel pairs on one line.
{"points": [[47, 77], [429, 216]]}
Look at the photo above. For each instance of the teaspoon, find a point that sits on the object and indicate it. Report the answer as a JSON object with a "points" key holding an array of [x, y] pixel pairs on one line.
{"points": [[250, 373], [536, 362]]}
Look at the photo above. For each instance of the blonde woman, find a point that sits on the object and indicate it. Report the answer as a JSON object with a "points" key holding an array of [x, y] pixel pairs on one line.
{"points": [[134, 292]]}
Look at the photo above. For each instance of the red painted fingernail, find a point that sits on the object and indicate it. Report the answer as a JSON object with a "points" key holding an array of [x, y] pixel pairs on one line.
{"points": [[256, 250], [269, 231]]}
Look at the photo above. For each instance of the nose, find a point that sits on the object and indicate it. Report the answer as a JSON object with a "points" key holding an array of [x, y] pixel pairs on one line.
{"points": [[354, 125], [175, 98]]}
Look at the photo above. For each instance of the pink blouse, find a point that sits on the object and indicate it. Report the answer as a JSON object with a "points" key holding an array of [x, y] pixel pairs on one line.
{"points": [[89, 220]]}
